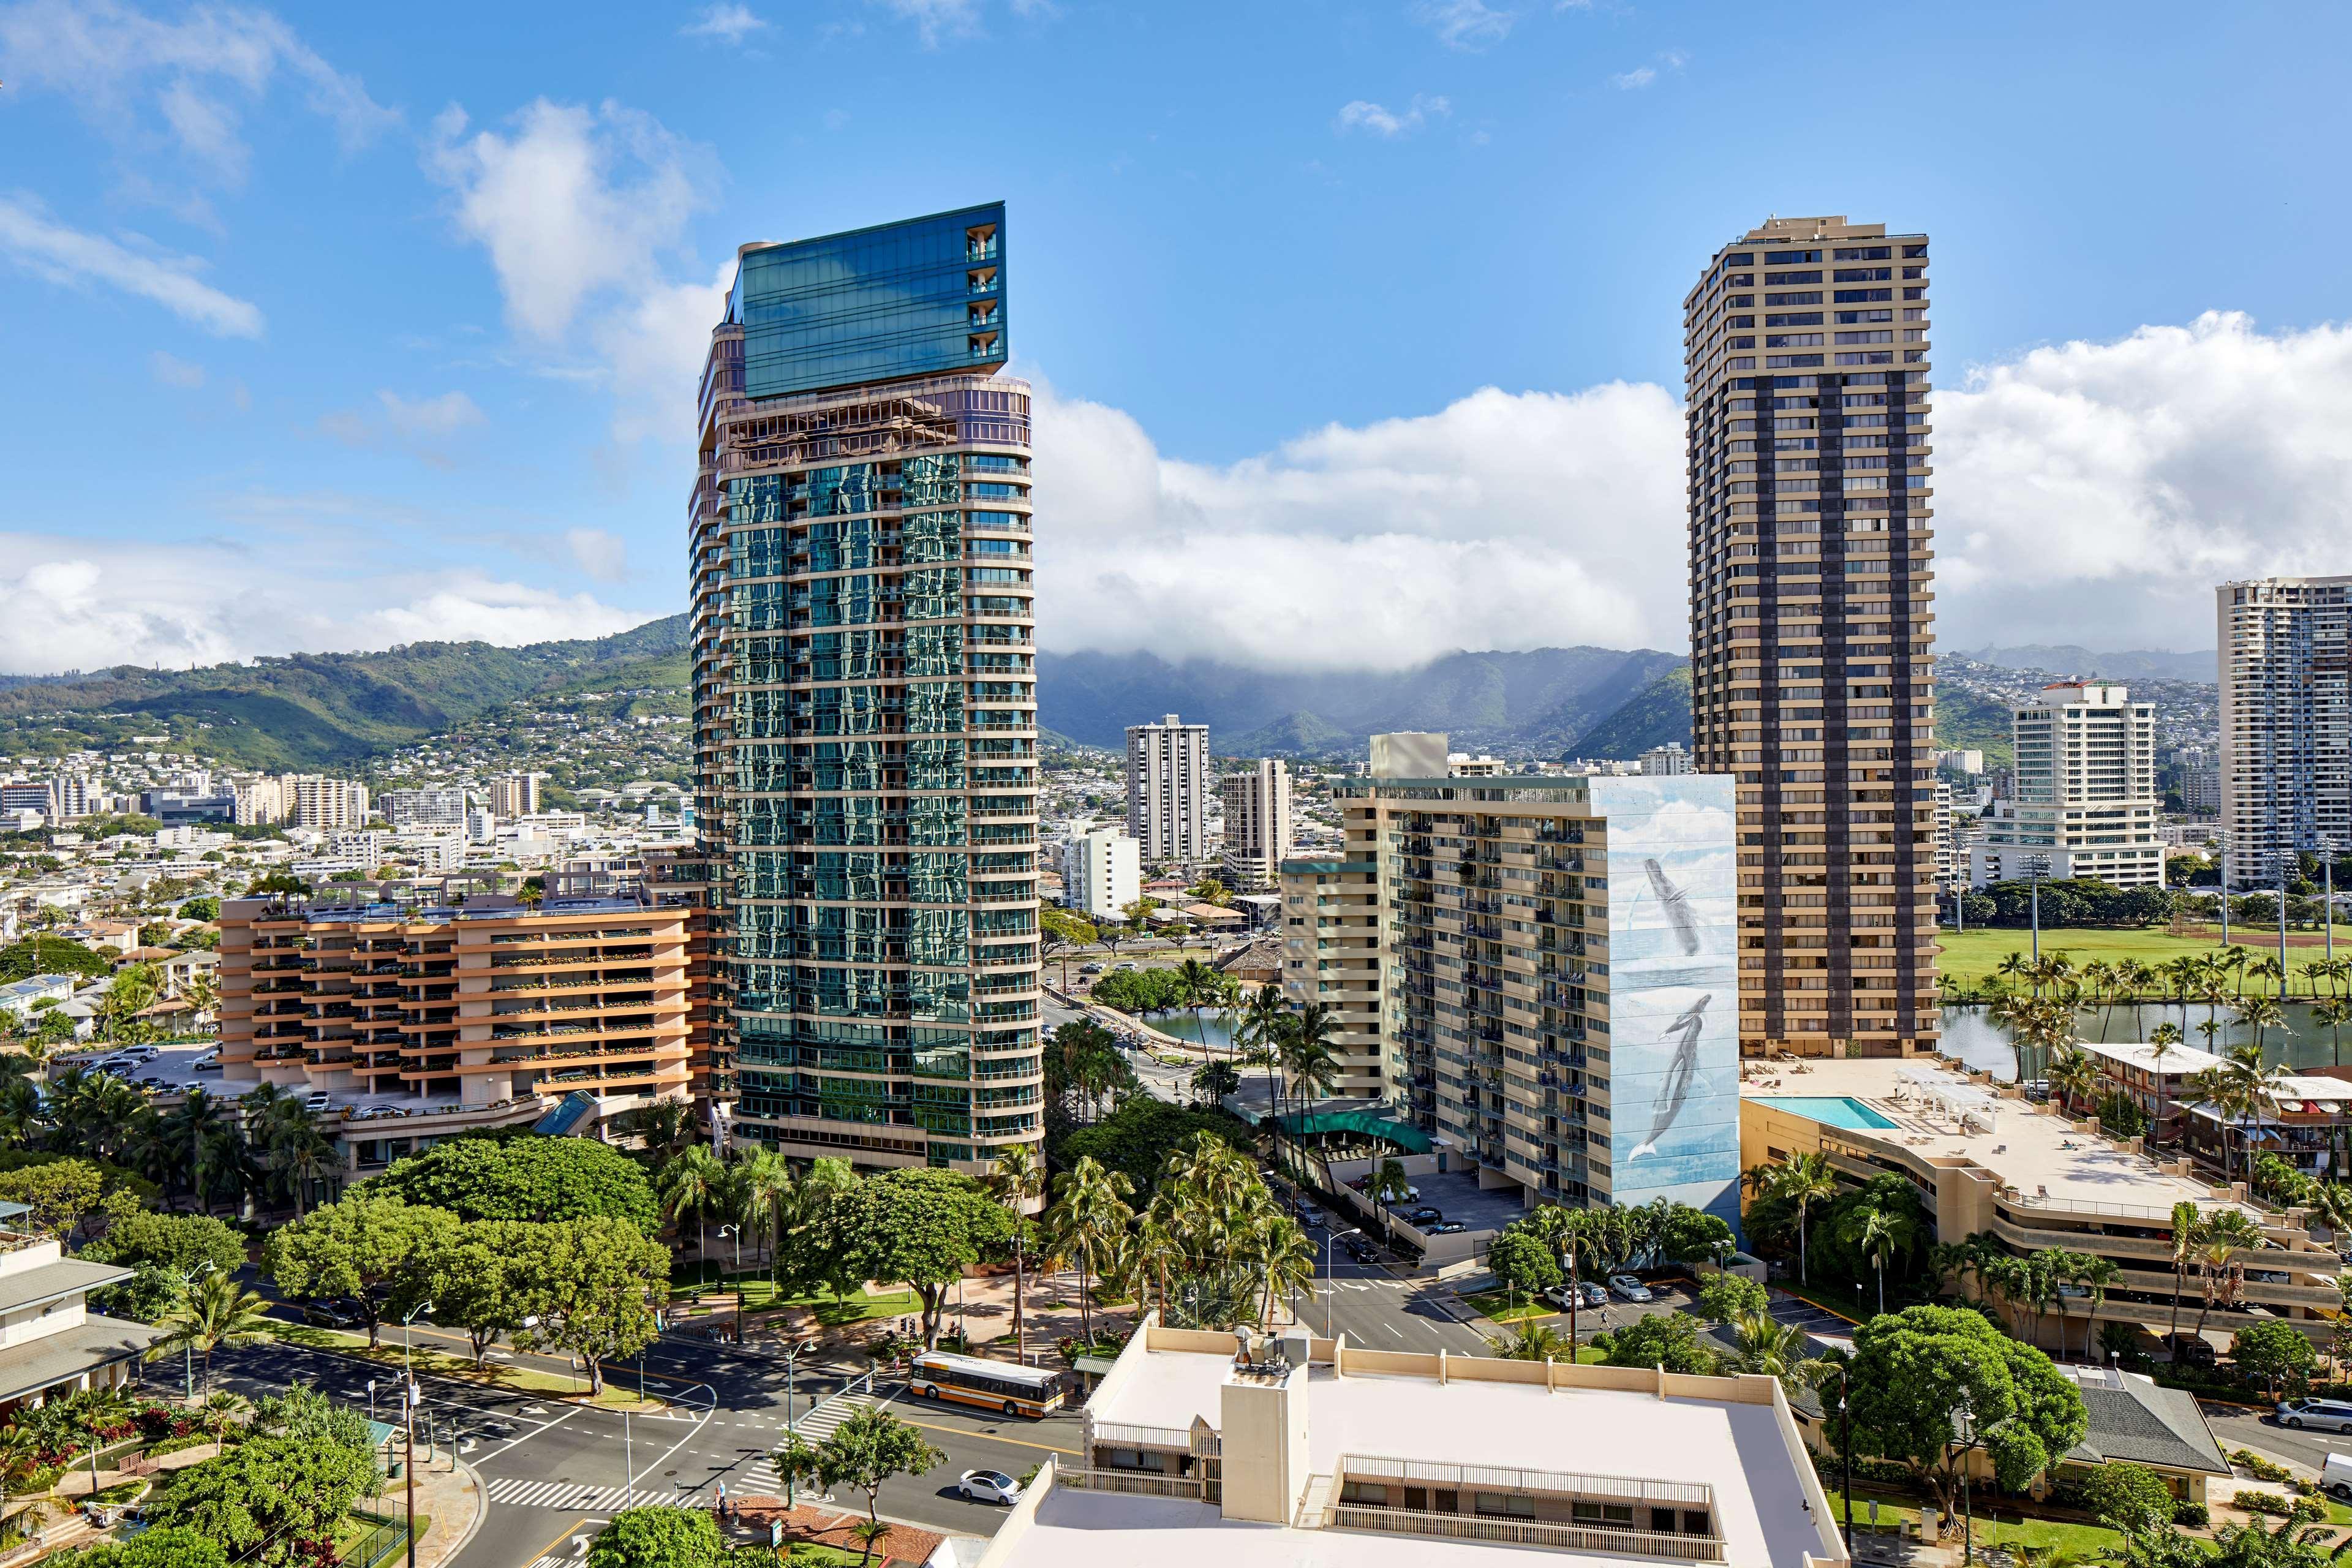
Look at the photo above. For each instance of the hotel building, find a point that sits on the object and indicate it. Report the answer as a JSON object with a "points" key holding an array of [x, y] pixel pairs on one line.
{"points": [[1806, 363], [2085, 797], [865, 695]]}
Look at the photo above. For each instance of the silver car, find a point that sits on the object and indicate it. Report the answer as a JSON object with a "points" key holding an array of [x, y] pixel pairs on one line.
{"points": [[2326, 1415]]}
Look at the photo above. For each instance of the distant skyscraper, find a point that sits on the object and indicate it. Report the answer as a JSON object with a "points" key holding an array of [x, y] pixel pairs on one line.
{"points": [[1257, 823], [1167, 789], [2286, 721], [864, 699], [1805, 352], [1669, 761], [515, 795], [2086, 796]]}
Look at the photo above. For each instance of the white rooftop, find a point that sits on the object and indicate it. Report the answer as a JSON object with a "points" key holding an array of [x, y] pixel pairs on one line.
{"points": [[2179, 1060], [1738, 1448]]}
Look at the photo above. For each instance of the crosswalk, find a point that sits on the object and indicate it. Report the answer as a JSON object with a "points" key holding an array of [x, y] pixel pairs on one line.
{"points": [[822, 1422], [756, 1479]]}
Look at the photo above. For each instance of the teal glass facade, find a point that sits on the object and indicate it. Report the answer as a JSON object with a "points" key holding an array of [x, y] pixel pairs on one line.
{"points": [[925, 297], [866, 700]]}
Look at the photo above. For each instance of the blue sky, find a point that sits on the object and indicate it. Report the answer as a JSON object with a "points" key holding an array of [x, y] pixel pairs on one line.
{"points": [[1357, 325]]}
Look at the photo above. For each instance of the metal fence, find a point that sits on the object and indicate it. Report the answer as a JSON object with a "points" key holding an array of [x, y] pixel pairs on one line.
{"points": [[1526, 1533]]}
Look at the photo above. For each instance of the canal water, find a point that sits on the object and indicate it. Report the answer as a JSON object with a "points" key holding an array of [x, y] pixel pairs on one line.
{"points": [[1972, 1035]]}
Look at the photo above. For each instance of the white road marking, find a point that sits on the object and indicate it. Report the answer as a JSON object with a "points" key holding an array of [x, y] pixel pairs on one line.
{"points": [[1392, 1328], [527, 1436]]}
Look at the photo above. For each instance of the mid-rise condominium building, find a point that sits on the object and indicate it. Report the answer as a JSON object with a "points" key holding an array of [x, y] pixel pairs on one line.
{"points": [[425, 808], [515, 795], [1806, 361], [1669, 761], [1257, 823], [2199, 770], [1540, 971], [1102, 873], [1314, 1452], [312, 801], [1167, 789], [2085, 799], [2286, 721], [865, 695], [405, 1013]]}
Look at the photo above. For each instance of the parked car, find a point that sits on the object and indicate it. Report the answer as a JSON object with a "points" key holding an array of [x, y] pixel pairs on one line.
{"points": [[1357, 1248], [1090, 969], [1423, 1217], [1446, 1226], [2193, 1349], [1310, 1216], [208, 1062], [331, 1314], [2336, 1477], [139, 1053], [1594, 1296], [1625, 1288], [1561, 1295], [2327, 1415], [317, 1102], [989, 1486]]}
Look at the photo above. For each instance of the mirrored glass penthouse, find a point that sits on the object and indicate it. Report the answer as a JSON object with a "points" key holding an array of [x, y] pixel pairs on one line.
{"points": [[864, 701]]}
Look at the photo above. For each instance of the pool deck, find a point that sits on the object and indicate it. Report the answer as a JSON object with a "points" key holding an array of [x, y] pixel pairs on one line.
{"points": [[2029, 1147]]}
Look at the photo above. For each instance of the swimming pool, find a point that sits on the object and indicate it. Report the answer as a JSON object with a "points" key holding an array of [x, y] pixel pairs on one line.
{"points": [[1831, 1110]]}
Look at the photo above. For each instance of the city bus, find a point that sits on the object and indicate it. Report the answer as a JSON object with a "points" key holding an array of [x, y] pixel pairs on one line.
{"points": [[994, 1384]]}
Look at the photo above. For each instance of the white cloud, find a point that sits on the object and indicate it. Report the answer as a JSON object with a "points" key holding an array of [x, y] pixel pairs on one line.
{"points": [[935, 19], [1640, 76], [2104, 489], [429, 416], [728, 23], [1378, 121], [63, 605], [600, 552], [577, 210], [172, 371], [110, 57], [69, 257], [1504, 520], [1465, 23]]}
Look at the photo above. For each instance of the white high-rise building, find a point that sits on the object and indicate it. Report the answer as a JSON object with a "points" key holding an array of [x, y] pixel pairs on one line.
{"points": [[515, 795], [416, 808], [2286, 721], [1257, 823], [1102, 873], [1167, 789], [2085, 795], [1669, 761], [2200, 780], [73, 796]]}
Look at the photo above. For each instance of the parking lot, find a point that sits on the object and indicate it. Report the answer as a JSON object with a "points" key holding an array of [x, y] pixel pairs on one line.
{"points": [[172, 1068]]}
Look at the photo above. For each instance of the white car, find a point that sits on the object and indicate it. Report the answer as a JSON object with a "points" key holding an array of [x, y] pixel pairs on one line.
{"points": [[2327, 1415], [1628, 1288], [989, 1486]]}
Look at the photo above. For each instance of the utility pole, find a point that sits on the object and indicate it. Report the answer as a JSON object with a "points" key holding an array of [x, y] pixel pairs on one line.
{"points": [[409, 1397]]}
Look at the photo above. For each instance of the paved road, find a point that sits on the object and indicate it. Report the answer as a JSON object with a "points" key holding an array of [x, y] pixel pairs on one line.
{"points": [[554, 1469], [1376, 1310], [2237, 1426]]}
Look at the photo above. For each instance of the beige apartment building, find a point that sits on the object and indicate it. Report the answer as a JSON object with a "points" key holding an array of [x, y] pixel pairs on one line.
{"points": [[514, 795], [1537, 971], [415, 1018], [2087, 801], [1813, 642], [1257, 823]]}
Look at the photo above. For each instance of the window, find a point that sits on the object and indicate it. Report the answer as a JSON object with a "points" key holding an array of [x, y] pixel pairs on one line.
{"points": [[1601, 1512], [1504, 1505], [1365, 1494], [1771, 278], [1696, 1522], [1777, 258]]}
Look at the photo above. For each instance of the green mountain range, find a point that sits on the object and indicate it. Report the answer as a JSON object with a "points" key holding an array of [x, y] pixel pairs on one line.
{"points": [[313, 711]]}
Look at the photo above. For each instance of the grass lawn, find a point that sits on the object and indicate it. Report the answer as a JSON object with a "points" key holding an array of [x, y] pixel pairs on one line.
{"points": [[1971, 955], [502, 1374], [759, 1295], [823, 1556], [2007, 1529], [358, 1532], [1508, 1307]]}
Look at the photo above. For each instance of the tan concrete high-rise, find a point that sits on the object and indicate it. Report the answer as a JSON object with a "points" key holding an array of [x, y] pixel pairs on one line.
{"points": [[1813, 642]]}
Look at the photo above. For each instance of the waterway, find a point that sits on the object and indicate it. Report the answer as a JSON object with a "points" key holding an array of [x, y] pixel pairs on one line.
{"points": [[1976, 1039]]}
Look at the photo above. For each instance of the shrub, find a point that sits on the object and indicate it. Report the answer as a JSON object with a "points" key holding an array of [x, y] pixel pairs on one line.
{"points": [[2130, 1497], [2191, 1515], [2260, 1468], [2249, 1501]]}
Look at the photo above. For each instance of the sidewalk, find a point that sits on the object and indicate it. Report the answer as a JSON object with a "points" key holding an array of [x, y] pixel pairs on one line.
{"points": [[452, 1500]]}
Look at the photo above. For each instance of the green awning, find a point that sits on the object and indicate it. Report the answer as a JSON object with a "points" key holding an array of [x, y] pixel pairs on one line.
{"points": [[1365, 1123]]}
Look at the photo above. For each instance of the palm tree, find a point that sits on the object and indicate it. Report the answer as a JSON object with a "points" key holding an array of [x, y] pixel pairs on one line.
{"points": [[1303, 1046], [1804, 1180], [2135, 978], [2075, 1077], [1880, 1235], [664, 1128], [217, 1310], [1089, 1213], [1775, 1349], [1533, 1340], [1198, 985], [1254, 1036], [2223, 1234], [2013, 966], [2099, 983], [1017, 1178], [1283, 1255], [767, 1178], [2259, 1012], [691, 1184], [2333, 1012]]}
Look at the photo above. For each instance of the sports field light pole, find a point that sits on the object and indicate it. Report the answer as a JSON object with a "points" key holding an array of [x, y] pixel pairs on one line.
{"points": [[1330, 1286], [2285, 863], [2036, 868], [2327, 897]]}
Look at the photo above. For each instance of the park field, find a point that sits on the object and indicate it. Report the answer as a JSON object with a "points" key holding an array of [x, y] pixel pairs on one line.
{"points": [[1971, 956]]}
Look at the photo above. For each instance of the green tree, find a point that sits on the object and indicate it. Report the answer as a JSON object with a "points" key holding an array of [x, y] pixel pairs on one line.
{"points": [[1725, 1298], [1017, 1180], [1523, 1260], [1670, 1340], [175, 1546], [59, 1192], [1777, 1350], [204, 907], [659, 1538], [177, 1243], [470, 1280], [526, 1178], [863, 1452], [1530, 1340], [2129, 1498], [1213, 1082], [1913, 1369], [267, 1499], [1088, 1221], [593, 1284], [1137, 1139], [922, 1228], [368, 1246], [1803, 1180], [2275, 1354]]}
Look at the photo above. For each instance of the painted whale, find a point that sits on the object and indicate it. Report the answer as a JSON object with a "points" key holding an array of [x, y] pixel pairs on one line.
{"points": [[1674, 1093]]}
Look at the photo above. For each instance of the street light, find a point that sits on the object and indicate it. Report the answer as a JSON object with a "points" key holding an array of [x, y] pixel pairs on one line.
{"points": [[407, 1370], [1331, 1289], [410, 1397], [791, 1414], [187, 1356], [738, 1234], [1845, 1441]]}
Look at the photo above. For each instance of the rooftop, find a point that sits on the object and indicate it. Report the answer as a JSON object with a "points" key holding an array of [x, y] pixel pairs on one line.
{"points": [[2024, 1146]]}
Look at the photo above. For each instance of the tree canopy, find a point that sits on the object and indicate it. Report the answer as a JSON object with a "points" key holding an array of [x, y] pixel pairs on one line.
{"points": [[592, 1284], [1670, 1340], [268, 1498], [529, 1178], [923, 1227], [367, 1245], [1137, 1139], [657, 1538]]}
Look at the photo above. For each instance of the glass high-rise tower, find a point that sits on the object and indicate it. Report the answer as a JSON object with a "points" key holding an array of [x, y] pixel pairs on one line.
{"points": [[865, 695], [1806, 358]]}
